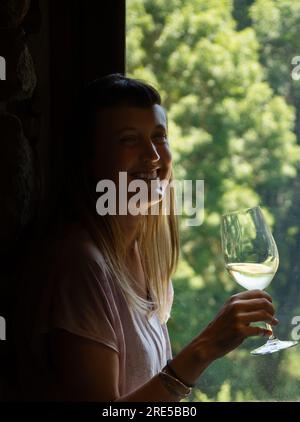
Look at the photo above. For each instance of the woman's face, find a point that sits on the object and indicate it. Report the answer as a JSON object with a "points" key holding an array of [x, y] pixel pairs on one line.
{"points": [[133, 140]]}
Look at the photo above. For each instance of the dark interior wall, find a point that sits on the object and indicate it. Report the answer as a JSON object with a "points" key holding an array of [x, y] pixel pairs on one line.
{"points": [[52, 48], [24, 127], [87, 41]]}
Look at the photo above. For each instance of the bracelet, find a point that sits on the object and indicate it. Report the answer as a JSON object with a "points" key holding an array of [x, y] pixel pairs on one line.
{"points": [[174, 387], [171, 370]]}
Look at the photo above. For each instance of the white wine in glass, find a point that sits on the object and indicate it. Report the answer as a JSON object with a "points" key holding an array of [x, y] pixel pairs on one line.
{"points": [[253, 276], [251, 258]]}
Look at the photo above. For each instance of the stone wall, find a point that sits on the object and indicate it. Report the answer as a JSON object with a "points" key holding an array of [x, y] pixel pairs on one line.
{"points": [[50, 49], [24, 128]]}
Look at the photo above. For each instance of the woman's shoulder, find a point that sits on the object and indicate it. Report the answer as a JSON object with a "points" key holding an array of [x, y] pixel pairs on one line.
{"points": [[79, 264]]}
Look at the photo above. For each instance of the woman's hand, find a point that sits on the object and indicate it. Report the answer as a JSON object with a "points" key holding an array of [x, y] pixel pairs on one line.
{"points": [[231, 325]]}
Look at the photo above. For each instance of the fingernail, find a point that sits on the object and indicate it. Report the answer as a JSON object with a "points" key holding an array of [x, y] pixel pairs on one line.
{"points": [[265, 332], [275, 320]]}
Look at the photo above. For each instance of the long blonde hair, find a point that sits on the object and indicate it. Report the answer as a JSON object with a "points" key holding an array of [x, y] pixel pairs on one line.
{"points": [[158, 235]]}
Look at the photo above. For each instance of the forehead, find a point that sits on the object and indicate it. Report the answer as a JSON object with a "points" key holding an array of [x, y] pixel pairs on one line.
{"points": [[115, 119]]}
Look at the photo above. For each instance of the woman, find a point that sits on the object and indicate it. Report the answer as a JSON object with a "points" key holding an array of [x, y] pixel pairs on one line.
{"points": [[95, 326]]}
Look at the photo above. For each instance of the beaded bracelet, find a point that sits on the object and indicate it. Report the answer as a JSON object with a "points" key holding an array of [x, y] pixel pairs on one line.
{"points": [[174, 386], [176, 376]]}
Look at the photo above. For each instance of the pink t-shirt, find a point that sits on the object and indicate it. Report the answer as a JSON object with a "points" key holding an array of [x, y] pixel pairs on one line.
{"points": [[72, 293]]}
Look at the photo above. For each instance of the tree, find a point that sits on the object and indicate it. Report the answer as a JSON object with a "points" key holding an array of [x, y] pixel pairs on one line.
{"points": [[227, 126]]}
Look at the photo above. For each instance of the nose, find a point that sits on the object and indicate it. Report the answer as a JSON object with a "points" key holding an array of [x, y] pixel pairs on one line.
{"points": [[150, 153]]}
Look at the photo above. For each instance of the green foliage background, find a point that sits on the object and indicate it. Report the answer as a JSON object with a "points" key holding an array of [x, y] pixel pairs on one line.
{"points": [[224, 71]]}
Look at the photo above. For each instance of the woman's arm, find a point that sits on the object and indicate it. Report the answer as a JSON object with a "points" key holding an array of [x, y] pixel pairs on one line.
{"points": [[89, 371]]}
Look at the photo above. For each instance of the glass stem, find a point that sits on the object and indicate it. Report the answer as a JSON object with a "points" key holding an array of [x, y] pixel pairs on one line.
{"points": [[272, 336]]}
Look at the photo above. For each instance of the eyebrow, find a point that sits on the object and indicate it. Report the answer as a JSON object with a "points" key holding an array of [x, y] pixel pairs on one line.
{"points": [[159, 126]]}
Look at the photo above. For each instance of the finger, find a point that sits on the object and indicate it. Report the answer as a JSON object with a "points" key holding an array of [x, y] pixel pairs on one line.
{"points": [[252, 294], [255, 305], [257, 316], [256, 331]]}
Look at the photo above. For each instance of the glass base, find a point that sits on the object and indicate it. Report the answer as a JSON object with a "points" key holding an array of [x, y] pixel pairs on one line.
{"points": [[272, 346]]}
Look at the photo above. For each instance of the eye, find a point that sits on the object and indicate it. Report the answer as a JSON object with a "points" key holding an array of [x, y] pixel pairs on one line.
{"points": [[129, 140], [160, 138]]}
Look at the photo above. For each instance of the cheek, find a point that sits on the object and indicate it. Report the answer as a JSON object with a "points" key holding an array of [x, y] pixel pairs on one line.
{"points": [[169, 158], [166, 157], [125, 159]]}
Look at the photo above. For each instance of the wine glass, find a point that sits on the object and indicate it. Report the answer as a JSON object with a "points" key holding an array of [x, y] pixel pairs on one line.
{"points": [[251, 258]]}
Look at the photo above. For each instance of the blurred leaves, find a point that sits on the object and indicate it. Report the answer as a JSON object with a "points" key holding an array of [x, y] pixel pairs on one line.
{"points": [[233, 116]]}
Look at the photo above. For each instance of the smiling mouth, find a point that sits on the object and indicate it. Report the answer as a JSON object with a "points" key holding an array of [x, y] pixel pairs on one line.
{"points": [[152, 175]]}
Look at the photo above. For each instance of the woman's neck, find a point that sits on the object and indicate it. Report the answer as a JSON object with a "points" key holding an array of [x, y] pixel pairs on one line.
{"points": [[129, 226]]}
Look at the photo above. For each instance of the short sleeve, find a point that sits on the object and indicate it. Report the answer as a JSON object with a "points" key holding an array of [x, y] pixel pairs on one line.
{"points": [[83, 302]]}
